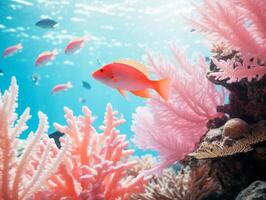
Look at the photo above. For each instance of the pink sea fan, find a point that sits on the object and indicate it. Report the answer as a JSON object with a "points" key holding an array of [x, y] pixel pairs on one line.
{"points": [[235, 71], [96, 166], [20, 175], [238, 23], [173, 128]]}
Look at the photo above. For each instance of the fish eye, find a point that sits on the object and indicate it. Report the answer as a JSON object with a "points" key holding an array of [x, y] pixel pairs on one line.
{"points": [[101, 70]]}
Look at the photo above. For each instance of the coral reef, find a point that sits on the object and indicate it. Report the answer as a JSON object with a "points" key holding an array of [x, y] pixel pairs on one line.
{"points": [[143, 163], [24, 172], [88, 165], [235, 152], [240, 24], [242, 71], [188, 184], [220, 147], [183, 119], [96, 165]]}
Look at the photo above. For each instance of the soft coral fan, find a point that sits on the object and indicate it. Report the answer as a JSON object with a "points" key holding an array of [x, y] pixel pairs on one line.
{"points": [[20, 175], [173, 128], [241, 25], [96, 165]]}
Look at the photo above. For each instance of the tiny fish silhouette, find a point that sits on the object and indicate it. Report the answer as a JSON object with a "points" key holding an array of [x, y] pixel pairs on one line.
{"points": [[86, 85], [131, 76], [75, 45], [12, 50], [56, 136], [82, 100], [46, 23], [35, 78], [1, 72], [45, 57], [61, 87]]}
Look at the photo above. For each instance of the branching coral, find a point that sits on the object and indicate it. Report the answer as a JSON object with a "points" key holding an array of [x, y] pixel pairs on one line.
{"points": [[189, 184], [241, 25], [95, 167], [145, 162], [20, 174], [173, 128], [234, 71]]}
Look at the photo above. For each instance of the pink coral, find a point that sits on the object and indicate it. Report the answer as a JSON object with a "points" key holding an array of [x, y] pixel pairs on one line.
{"points": [[96, 166], [20, 175], [173, 128], [235, 71], [241, 25]]}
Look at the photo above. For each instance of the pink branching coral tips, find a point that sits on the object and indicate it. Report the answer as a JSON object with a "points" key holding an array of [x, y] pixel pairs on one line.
{"points": [[235, 71], [97, 163], [22, 174], [173, 128]]}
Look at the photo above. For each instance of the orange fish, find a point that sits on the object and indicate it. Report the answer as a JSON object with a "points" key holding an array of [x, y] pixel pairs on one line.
{"points": [[61, 87], [76, 44], [131, 76], [45, 57]]}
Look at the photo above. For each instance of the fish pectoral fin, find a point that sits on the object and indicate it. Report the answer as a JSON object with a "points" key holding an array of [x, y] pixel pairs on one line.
{"points": [[141, 93], [114, 79], [123, 93]]}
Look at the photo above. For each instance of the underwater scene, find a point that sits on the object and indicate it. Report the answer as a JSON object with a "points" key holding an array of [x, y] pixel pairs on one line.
{"points": [[133, 100]]}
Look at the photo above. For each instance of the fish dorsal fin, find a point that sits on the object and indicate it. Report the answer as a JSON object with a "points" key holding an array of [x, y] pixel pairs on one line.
{"points": [[134, 64]]}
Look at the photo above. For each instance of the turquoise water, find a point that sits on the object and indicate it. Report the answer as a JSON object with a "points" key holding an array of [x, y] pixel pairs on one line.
{"points": [[117, 28]]}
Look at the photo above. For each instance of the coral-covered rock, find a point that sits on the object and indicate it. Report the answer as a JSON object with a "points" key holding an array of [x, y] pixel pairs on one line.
{"points": [[215, 145], [247, 98], [235, 128], [236, 163], [256, 191]]}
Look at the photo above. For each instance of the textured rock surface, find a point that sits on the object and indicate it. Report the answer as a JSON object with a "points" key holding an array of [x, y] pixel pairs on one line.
{"points": [[256, 191], [247, 100], [236, 168]]}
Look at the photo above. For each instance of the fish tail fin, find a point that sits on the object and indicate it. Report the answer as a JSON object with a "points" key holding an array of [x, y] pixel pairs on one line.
{"points": [[19, 46], [162, 87], [55, 52], [86, 38], [69, 84]]}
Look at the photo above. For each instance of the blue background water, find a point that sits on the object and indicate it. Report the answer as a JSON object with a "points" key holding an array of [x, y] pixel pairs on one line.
{"points": [[118, 29]]}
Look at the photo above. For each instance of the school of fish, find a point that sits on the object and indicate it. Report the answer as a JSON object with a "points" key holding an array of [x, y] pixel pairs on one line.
{"points": [[123, 75]]}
